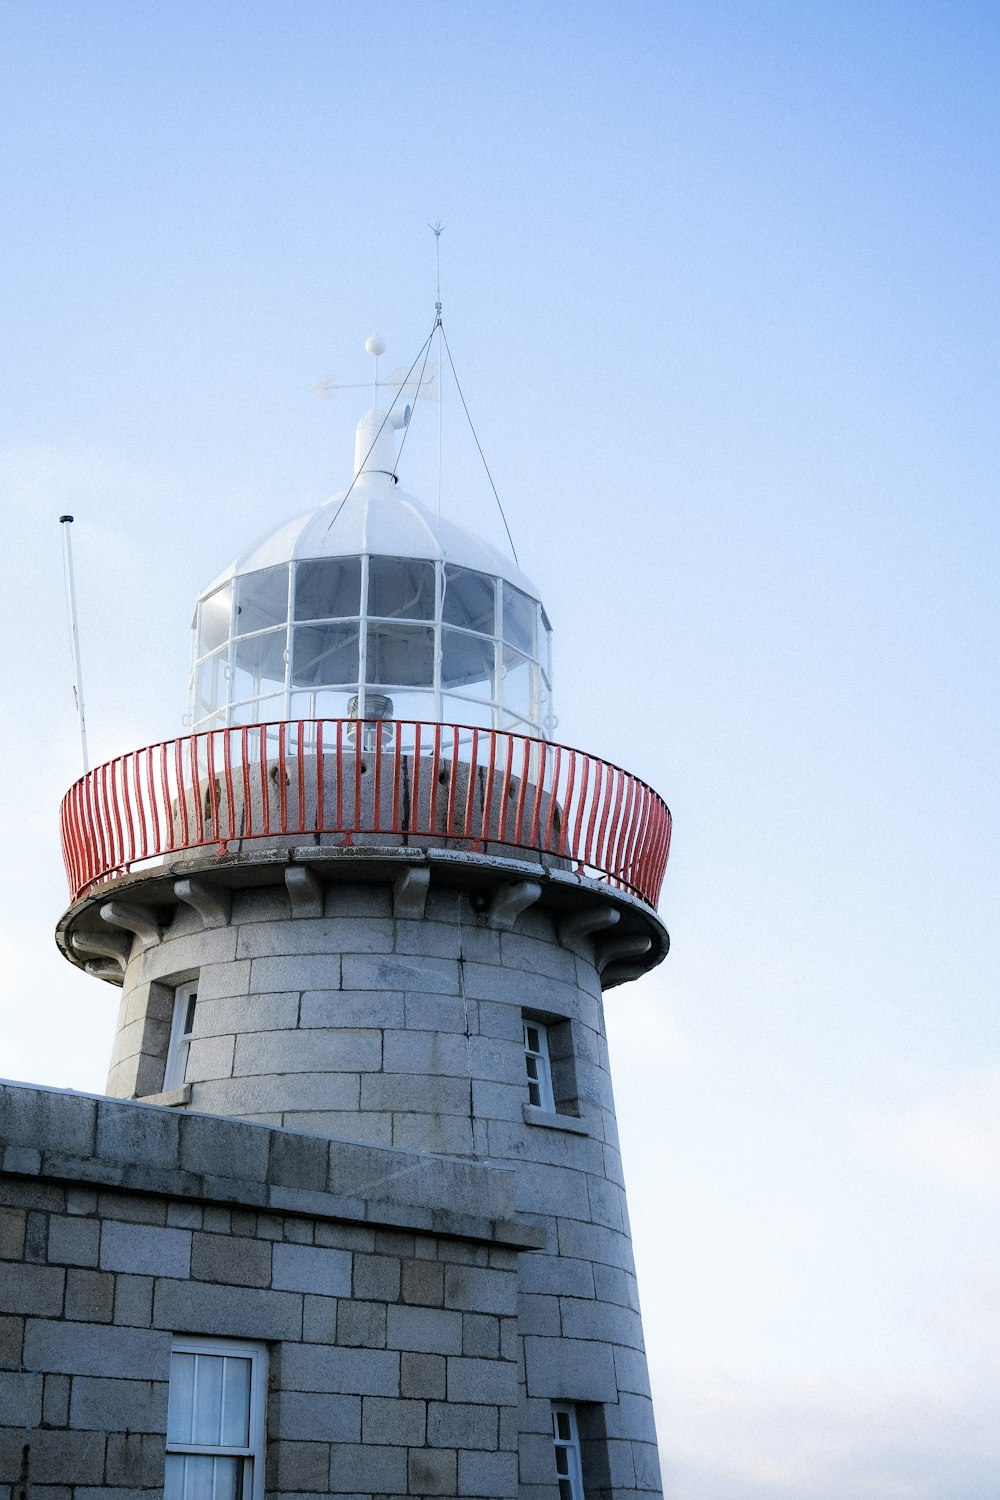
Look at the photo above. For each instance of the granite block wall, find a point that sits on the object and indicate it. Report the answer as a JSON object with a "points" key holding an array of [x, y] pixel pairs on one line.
{"points": [[390, 1318]]}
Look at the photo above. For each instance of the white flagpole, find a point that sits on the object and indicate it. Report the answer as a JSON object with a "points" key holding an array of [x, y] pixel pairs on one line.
{"points": [[74, 636]]}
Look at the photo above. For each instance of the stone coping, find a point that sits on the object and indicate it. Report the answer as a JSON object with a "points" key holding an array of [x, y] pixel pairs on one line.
{"points": [[63, 1136]]}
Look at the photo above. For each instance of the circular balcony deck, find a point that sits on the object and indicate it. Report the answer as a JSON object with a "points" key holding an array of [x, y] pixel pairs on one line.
{"points": [[508, 817]]}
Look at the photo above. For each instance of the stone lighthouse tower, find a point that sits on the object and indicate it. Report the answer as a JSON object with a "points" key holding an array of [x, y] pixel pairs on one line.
{"points": [[368, 911]]}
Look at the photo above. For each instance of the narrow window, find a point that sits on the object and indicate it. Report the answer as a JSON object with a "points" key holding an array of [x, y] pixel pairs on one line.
{"points": [[181, 1030], [566, 1437], [215, 1420], [536, 1060]]}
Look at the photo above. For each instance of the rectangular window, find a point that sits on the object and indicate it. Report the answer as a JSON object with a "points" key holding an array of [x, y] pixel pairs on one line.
{"points": [[181, 1031], [215, 1420], [566, 1438], [536, 1061]]}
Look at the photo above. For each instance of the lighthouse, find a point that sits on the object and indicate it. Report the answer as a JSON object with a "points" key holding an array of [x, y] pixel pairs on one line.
{"points": [[364, 916]]}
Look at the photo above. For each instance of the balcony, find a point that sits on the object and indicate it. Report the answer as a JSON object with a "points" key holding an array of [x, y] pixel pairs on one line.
{"points": [[340, 783]]}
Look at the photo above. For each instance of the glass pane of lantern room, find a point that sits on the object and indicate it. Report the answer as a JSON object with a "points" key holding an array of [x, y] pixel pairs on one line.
{"points": [[325, 655], [261, 600], [258, 711], [210, 686], [467, 663], [328, 589], [214, 616], [258, 665], [400, 588], [519, 619], [516, 693], [464, 711], [469, 600], [400, 656]]}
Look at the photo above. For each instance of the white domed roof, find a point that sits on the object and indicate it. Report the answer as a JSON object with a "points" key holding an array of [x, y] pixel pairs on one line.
{"points": [[381, 520]]}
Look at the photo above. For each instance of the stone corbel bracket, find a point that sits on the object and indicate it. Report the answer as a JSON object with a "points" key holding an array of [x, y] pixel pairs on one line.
{"points": [[105, 968], [138, 920], [409, 893], [304, 890], [618, 949], [214, 904], [114, 949], [585, 923], [509, 901]]}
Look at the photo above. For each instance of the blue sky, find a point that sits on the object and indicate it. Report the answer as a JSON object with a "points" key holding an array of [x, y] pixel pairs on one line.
{"points": [[720, 282]]}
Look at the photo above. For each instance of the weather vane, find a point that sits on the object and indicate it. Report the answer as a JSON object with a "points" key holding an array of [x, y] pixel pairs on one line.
{"points": [[403, 381]]}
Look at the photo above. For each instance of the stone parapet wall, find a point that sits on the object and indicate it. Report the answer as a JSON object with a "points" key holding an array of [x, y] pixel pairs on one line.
{"points": [[384, 1284]]}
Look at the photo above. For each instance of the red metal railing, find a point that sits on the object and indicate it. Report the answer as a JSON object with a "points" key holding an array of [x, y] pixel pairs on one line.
{"points": [[423, 782]]}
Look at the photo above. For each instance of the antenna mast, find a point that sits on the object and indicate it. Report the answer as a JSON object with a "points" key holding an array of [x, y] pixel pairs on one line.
{"points": [[437, 230], [74, 636]]}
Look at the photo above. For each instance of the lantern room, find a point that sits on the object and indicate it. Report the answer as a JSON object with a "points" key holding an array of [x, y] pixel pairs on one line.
{"points": [[373, 608]]}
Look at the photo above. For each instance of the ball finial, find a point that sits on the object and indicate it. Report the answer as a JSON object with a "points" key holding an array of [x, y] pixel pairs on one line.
{"points": [[374, 345]]}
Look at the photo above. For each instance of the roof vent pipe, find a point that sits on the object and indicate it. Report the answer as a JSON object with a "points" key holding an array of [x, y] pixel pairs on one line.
{"points": [[375, 442]]}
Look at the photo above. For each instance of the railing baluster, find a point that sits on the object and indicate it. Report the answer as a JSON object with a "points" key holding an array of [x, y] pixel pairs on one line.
{"points": [[415, 826], [282, 781], [522, 790], [300, 750], [470, 790], [435, 772], [449, 827], [265, 790], [320, 777], [377, 786], [212, 815]]}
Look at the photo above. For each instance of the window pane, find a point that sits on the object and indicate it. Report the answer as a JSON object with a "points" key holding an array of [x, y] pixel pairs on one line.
{"points": [[324, 654], [326, 704], [213, 628], [207, 1422], [190, 1476], [259, 711], [328, 590], [180, 1401], [519, 619], [469, 600], [415, 706], [455, 710], [400, 655], [236, 1403], [515, 689], [190, 1003], [400, 588], [211, 685], [261, 600], [467, 661], [259, 665]]}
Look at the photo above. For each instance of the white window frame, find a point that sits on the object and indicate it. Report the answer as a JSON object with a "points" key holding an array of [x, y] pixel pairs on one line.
{"points": [[185, 1003], [253, 1453], [569, 1468], [537, 1064]]}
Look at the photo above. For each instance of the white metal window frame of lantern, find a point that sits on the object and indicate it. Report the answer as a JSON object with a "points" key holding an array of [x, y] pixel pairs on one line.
{"points": [[463, 667], [215, 1419], [566, 1441]]}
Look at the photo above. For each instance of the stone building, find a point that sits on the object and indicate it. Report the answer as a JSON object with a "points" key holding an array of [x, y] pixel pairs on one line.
{"points": [[351, 1220]]}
